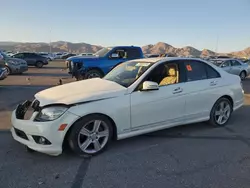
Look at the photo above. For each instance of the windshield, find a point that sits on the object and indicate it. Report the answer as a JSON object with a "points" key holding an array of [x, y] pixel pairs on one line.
{"points": [[127, 73], [4, 55], [102, 52]]}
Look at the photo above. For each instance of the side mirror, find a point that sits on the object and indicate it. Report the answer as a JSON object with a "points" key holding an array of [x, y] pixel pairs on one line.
{"points": [[114, 55], [149, 86]]}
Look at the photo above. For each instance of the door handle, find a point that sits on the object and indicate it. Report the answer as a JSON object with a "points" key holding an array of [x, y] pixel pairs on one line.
{"points": [[213, 83], [177, 90]]}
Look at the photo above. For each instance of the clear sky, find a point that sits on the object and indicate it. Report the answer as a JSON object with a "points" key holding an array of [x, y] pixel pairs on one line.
{"points": [[196, 23]]}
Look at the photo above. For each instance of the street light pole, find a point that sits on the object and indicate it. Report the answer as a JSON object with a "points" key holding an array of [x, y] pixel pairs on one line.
{"points": [[217, 42], [50, 41]]}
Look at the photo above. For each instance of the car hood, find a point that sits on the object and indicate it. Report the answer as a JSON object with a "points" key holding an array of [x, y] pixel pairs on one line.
{"points": [[80, 91], [82, 58]]}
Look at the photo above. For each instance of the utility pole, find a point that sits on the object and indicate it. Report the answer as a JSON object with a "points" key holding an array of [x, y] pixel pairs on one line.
{"points": [[50, 41], [217, 42]]}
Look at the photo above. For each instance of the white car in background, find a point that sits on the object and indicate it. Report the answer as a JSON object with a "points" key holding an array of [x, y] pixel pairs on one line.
{"points": [[59, 55], [136, 97], [49, 56], [233, 66]]}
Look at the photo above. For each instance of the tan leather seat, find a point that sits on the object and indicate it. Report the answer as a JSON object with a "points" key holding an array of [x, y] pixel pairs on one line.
{"points": [[172, 77]]}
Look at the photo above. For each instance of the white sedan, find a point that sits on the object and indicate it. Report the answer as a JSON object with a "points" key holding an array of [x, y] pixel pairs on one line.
{"points": [[136, 97]]}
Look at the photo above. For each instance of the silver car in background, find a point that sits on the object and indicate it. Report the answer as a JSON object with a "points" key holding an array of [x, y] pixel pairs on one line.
{"points": [[233, 66], [49, 56]]}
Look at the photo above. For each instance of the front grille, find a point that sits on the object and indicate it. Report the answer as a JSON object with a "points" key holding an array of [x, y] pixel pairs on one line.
{"points": [[21, 134], [28, 114], [34, 107]]}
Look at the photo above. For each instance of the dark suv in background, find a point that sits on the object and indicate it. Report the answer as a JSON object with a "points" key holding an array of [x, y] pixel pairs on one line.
{"points": [[32, 59]]}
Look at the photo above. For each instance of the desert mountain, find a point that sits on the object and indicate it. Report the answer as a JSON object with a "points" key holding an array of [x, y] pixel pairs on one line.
{"points": [[63, 46], [243, 53], [207, 52], [60, 46], [161, 47]]}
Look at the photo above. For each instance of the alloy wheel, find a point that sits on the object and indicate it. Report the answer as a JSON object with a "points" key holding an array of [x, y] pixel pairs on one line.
{"points": [[93, 136], [39, 64], [94, 75], [222, 112]]}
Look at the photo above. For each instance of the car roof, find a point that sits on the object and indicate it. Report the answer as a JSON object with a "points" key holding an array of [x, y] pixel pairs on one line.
{"points": [[157, 59], [123, 47], [224, 59]]}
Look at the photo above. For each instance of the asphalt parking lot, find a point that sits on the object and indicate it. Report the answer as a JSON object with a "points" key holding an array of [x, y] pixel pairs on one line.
{"points": [[195, 155]]}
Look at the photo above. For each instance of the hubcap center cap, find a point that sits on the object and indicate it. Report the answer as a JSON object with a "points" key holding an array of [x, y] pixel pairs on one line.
{"points": [[93, 136]]}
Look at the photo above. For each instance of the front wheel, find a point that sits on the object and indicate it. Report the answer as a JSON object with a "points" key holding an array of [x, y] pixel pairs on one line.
{"points": [[243, 75], [93, 74], [221, 112], [91, 135]]}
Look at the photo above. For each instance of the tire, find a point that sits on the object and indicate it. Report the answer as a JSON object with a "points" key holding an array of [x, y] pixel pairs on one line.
{"points": [[243, 75], [93, 140], [39, 64], [217, 112], [29, 149], [67, 65], [8, 70], [94, 73]]}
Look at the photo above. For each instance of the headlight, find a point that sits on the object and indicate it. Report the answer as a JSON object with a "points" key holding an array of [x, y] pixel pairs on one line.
{"points": [[51, 113], [13, 62]]}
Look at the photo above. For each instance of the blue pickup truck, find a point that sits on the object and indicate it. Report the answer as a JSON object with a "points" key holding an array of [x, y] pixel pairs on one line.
{"points": [[100, 63]]}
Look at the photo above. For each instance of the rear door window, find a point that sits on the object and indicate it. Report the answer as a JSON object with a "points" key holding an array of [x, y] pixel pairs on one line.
{"points": [[27, 55], [211, 72], [195, 70], [133, 53]]}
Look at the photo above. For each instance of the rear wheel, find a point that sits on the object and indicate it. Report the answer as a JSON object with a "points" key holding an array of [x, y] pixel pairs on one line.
{"points": [[39, 64], [243, 75], [221, 112], [94, 74], [91, 135]]}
